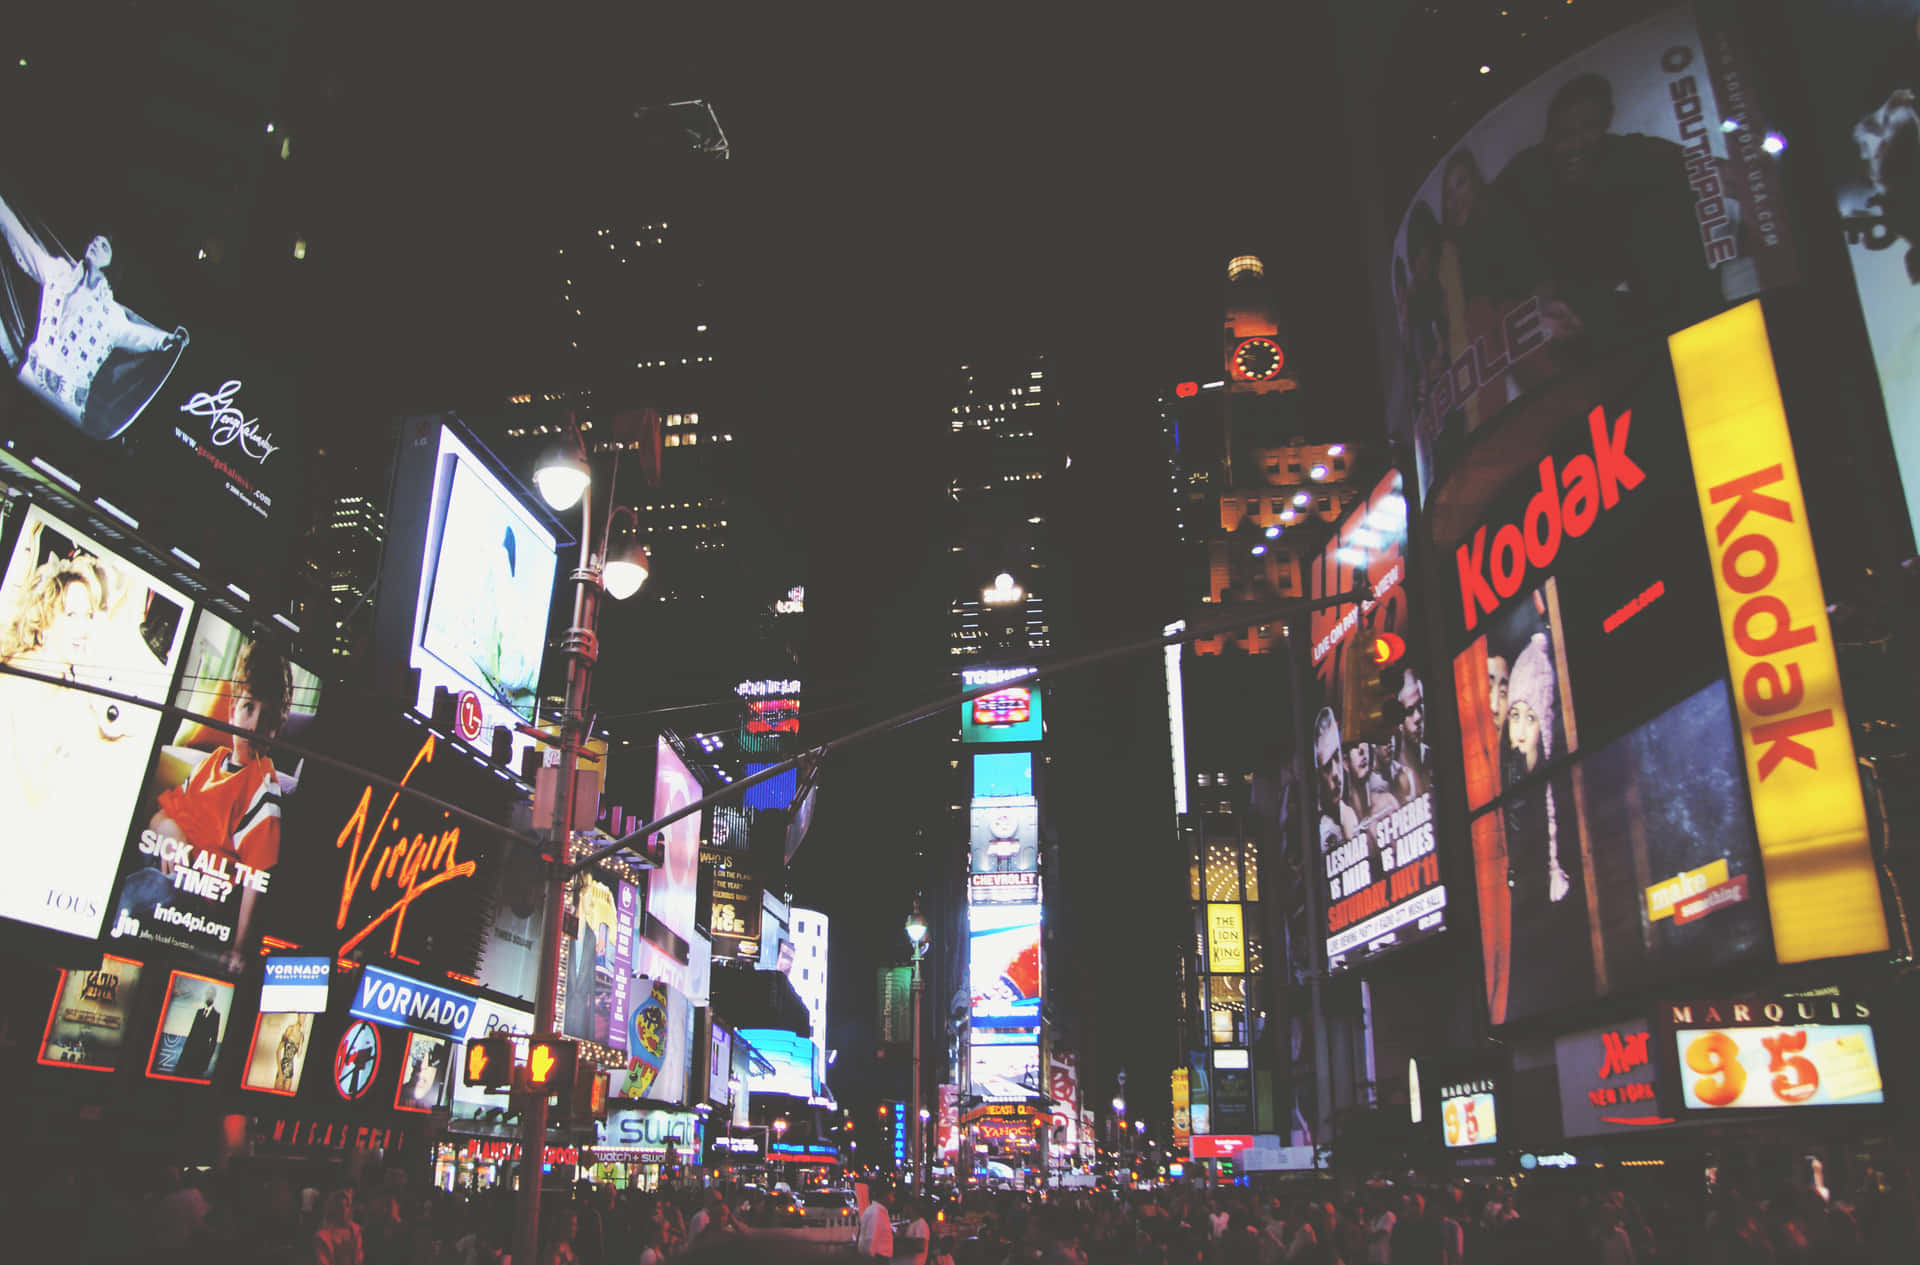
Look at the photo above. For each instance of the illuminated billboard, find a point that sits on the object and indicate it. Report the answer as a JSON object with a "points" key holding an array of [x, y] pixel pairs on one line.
{"points": [[87, 1024], [736, 905], [1814, 1051], [1226, 940], [206, 833], [1014, 714], [1598, 725], [426, 1069], [1005, 835], [596, 965], [1626, 192], [673, 889], [362, 864], [71, 763], [278, 1054], [1003, 775], [790, 1055], [659, 1044], [1372, 764], [468, 582], [189, 435], [1861, 69], [192, 1030], [1609, 1081], [1467, 1116], [1005, 1073], [1004, 953]]}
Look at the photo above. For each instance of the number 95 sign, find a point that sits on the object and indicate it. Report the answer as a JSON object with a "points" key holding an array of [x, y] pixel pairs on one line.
{"points": [[1809, 1066]]}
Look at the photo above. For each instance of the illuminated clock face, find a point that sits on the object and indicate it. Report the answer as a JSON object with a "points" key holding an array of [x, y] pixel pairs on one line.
{"points": [[1257, 359]]}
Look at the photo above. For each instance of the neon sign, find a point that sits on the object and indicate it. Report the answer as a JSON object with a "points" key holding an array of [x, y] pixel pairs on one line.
{"points": [[416, 864]]}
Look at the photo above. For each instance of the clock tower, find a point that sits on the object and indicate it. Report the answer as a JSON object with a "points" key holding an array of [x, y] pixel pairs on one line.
{"points": [[1258, 368]]}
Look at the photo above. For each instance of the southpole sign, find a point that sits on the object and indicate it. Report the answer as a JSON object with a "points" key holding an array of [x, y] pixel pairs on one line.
{"points": [[1822, 889]]}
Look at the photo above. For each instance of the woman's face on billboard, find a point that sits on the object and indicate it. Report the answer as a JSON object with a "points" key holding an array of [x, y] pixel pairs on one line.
{"points": [[1523, 733], [72, 624]]}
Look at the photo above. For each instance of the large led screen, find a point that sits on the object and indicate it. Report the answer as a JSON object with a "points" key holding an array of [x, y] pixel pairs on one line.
{"points": [[1003, 775], [673, 890], [87, 1025], [1014, 714], [1004, 953], [1372, 764], [1623, 194], [193, 1029], [278, 1055], [790, 1055], [1861, 66], [1005, 1073], [206, 833], [659, 1044], [1006, 835], [468, 582], [71, 762], [1804, 1052]]}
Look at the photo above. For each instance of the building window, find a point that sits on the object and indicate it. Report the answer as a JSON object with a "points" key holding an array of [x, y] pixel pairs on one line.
{"points": [[1223, 870], [1227, 1004]]}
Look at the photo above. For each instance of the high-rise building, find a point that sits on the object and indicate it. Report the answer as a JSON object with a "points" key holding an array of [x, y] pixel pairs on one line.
{"points": [[1255, 481], [808, 930], [346, 549]]}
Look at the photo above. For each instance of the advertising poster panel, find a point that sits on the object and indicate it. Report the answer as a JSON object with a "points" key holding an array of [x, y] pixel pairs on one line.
{"points": [[1625, 193], [673, 889], [278, 1054], [736, 907], [659, 1044], [193, 1027], [1467, 1115], [426, 1067], [71, 762], [1583, 603], [1014, 714], [1372, 764], [1609, 1080], [596, 967], [1860, 62], [1005, 1073], [1595, 619], [1813, 1051], [190, 434], [364, 864], [290, 985], [1006, 834], [206, 833], [87, 1026], [1004, 956], [516, 914]]}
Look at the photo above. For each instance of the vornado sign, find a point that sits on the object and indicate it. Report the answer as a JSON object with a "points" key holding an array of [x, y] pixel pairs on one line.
{"points": [[1822, 889], [1567, 505]]}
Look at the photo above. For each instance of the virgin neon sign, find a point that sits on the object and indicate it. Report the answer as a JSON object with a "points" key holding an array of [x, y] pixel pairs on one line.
{"points": [[412, 865]]}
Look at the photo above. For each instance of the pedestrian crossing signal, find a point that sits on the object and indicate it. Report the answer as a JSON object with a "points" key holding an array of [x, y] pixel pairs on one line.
{"points": [[550, 1065], [489, 1062]]}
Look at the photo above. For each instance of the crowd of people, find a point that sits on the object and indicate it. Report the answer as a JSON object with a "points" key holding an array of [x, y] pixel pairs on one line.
{"points": [[275, 1218]]}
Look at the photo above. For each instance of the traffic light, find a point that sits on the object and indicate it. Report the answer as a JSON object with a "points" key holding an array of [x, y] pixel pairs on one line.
{"points": [[1386, 649], [551, 1062], [590, 1091], [489, 1062]]}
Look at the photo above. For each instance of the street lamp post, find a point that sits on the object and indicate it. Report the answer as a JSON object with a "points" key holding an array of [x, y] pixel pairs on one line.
{"points": [[916, 1118], [564, 478]]}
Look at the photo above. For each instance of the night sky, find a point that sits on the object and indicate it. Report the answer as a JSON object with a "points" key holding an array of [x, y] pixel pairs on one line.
{"points": [[917, 187]]}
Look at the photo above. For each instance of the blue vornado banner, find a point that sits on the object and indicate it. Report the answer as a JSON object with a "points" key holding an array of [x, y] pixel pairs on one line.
{"points": [[384, 997]]}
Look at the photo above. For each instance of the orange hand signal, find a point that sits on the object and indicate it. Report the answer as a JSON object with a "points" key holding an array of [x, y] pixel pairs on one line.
{"points": [[540, 1063]]}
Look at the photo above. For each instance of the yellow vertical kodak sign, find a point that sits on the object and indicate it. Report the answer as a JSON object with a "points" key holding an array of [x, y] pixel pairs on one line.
{"points": [[1226, 943], [1822, 890]]}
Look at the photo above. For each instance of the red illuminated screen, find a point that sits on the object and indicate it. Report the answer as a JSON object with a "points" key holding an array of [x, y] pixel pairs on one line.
{"points": [[773, 716], [1003, 707]]}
